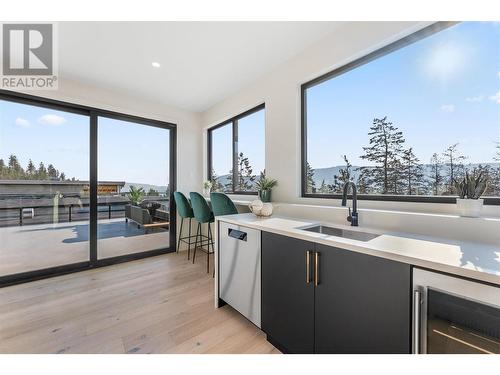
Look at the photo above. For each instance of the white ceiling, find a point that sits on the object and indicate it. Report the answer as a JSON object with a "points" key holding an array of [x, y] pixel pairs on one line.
{"points": [[201, 62]]}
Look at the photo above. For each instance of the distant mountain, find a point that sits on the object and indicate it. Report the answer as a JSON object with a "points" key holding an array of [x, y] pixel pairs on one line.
{"points": [[146, 187], [327, 174]]}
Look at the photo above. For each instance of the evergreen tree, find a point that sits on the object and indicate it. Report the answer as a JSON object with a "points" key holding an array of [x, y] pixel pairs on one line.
{"points": [[216, 184], [245, 176], [343, 177], [62, 176], [412, 172], [311, 185], [15, 171], [363, 181], [497, 157], [454, 162], [384, 150], [324, 188], [30, 169], [3, 169], [52, 172], [436, 176], [41, 174]]}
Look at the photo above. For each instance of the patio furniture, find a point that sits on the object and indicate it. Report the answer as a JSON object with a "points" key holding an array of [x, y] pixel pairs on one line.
{"points": [[142, 218]]}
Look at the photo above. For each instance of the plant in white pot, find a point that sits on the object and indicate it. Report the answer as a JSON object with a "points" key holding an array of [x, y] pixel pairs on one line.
{"points": [[469, 190], [207, 187]]}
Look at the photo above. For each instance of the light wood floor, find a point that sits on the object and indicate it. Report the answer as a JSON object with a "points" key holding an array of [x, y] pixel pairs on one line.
{"points": [[156, 305]]}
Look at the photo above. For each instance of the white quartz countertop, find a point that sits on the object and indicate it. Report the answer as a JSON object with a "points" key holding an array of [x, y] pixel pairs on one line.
{"points": [[472, 260]]}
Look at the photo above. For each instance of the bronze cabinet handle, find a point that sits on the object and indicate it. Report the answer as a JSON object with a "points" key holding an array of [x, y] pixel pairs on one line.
{"points": [[308, 266], [316, 268]]}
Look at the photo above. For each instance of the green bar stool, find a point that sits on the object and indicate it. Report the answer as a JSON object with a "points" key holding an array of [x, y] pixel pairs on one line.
{"points": [[203, 214], [222, 204], [185, 212]]}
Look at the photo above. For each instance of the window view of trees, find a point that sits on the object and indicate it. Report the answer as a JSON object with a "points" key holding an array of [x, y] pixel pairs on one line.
{"points": [[12, 170], [411, 122], [396, 169], [249, 145]]}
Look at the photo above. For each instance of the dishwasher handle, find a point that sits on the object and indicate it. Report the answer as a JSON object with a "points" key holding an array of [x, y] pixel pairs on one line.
{"points": [[238, 234]]}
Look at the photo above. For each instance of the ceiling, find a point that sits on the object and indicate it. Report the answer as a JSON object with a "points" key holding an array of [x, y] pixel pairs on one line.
{"points": [[202, 63]]}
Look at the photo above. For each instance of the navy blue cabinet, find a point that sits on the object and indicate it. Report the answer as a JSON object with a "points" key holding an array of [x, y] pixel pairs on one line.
{"points": [[321, 299]]}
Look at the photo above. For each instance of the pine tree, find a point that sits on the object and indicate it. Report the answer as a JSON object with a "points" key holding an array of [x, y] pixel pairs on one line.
{"points": [[384, 150], [15, 171], [311, 185], [30, 169], [324, 188], [412, 172], [62, 176], [454, 162], [3, 169], [52, 172], [363, 181], [41, 174], [216, 184], [436, 176], [343, 177], [245, 177]]}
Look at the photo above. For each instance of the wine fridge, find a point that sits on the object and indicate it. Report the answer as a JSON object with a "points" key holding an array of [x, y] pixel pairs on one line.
{"points": [[454, 315]]}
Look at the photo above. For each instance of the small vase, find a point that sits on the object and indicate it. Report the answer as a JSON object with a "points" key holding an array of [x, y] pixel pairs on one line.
{"points": [[206, 193], [469, 207], [265, 195]]}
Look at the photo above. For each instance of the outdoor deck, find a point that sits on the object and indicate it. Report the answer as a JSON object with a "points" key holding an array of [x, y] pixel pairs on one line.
{"points": [[32, 247]]}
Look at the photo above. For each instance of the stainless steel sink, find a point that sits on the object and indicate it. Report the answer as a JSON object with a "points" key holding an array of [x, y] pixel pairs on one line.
{"points": [[351, 234]]}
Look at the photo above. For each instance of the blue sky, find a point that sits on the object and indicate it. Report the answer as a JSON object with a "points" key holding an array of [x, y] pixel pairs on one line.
{"points": [[127, 151], [441, 90], [251, 141]]}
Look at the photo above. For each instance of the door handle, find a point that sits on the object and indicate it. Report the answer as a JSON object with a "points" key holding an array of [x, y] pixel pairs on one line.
{"points": [[308, 266], [316, 268], [416, 321]]}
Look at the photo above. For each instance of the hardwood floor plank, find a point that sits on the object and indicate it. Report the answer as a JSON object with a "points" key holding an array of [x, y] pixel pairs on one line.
{"points": [[162, 304]]}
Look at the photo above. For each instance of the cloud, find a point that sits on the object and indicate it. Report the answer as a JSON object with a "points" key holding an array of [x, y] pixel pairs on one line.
{"points": [[448, 108], [473, 99], [496, 97], [53, 120], [22, 122]]}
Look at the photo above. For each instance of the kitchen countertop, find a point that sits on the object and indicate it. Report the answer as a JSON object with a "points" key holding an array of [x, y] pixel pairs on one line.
{"points": [[472, 260]]}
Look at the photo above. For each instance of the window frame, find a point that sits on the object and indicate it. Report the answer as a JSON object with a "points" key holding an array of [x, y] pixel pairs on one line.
{"points": [[233, 121], [94, 113], [381, 52]]}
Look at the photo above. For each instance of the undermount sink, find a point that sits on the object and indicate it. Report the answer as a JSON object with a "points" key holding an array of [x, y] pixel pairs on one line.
{"points": [[337, 232]]}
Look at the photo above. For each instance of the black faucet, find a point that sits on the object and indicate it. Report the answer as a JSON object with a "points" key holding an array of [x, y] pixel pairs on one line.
{"points": [[353, 216]]}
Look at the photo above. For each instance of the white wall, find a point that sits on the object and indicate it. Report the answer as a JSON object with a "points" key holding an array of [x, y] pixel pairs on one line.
{"points": [[280, 90]]}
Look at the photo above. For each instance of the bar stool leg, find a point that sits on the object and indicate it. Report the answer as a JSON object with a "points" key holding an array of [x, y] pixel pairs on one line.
{"points": [[180, 236], [196, 242], [208, 249], [189, 239]]}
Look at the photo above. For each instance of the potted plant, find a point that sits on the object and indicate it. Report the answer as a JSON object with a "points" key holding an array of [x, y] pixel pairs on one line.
{"points": [[136, 195], [469, 190], [264, 187], [207, 187]]}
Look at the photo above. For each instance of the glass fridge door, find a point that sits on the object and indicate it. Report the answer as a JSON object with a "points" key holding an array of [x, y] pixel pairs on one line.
{"points": [[460, 325]]}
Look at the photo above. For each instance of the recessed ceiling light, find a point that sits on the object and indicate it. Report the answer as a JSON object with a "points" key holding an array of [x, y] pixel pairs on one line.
{"points": [[155, 64]]}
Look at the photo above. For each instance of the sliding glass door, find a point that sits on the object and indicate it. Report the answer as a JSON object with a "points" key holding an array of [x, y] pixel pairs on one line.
{"points": [[44, 188], [133, 188], [81, 187]]}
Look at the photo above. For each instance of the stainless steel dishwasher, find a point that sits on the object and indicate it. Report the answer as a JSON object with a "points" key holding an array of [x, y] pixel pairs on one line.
{"points": [[239, 269]]}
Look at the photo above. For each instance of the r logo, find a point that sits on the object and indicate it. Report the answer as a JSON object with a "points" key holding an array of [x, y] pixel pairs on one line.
{"points": [[27, 49]]}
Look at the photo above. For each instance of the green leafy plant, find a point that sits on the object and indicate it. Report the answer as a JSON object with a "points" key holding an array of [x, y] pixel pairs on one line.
{"points": [[471, 186], [136, 195], [265, 183]]}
